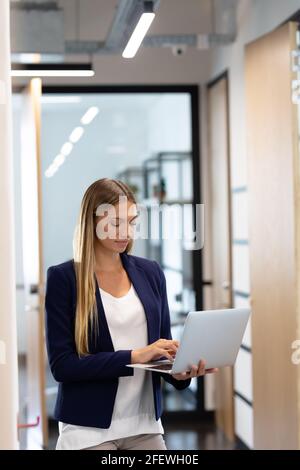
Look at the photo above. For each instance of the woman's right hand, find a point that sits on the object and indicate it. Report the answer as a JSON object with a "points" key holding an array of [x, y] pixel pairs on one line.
{"points": [[162, 347]]}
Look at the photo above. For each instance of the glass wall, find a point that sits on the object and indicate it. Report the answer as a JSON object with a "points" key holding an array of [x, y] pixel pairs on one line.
{"points": [[145, 140]]}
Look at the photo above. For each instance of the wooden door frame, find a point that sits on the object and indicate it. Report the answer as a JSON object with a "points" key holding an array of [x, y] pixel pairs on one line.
{"points": [[35, 313], [225, 76], [197, 261]]}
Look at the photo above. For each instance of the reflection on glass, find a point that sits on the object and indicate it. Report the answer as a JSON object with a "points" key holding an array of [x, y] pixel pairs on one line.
{"points": [[142, 139]]}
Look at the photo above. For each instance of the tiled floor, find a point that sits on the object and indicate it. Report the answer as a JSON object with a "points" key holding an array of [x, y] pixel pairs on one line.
{"points": [[202, 437]]}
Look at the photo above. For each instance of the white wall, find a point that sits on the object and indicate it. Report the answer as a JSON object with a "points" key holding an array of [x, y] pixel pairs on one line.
{"points": [[8, 333], [20, 298], [255, 18]]}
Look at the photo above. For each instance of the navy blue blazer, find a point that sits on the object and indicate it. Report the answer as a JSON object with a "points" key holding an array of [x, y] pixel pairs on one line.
{"points": [[88, 385]]}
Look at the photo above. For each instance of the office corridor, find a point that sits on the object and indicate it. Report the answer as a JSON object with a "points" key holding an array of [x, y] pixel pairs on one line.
{"points": [[150, 236]]}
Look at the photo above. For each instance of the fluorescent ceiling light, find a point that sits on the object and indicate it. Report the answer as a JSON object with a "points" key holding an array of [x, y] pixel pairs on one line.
{"points": [[66, 149], [140, 31], [52, 70], [76, 134], [60, 99], [59, 160], [88, 117], [50, 171]]}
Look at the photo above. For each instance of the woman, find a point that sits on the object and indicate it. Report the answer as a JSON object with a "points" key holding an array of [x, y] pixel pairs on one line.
{"points": [[106, 309]]}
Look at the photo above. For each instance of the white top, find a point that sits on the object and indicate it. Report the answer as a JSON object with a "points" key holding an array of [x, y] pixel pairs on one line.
{"points": [[134, 405]]}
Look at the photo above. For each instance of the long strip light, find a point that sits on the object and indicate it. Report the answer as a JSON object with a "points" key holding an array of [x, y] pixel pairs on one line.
{"points": [[60, 99], [140, 31], [52, 70]]}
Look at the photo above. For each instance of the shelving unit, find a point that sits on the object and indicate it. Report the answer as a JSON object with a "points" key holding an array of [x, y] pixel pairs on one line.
{"points": [[168, 180], [134, 178]]}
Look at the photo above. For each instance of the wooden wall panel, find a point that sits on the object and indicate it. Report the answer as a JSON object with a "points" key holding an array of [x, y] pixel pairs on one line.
{"points": [[218, 140], [273, 227]]}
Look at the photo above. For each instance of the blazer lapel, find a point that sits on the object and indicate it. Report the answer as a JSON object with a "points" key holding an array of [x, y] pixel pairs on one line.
{"points": [[144, 292], [104, 338]]}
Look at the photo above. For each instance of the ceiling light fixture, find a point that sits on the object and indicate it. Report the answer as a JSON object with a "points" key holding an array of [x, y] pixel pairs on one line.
{"points": [[75, 136], [50, 171], [140, 31], [66, 149], [59, 160], [52, 70], [88, 117], [48, 99]]}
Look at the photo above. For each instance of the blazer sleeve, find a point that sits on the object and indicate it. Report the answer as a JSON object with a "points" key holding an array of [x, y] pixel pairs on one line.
{"points": [[65, 364], [165, 331]]}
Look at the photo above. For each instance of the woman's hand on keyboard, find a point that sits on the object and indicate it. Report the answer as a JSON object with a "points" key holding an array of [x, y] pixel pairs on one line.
{"points": [[161, 348]]}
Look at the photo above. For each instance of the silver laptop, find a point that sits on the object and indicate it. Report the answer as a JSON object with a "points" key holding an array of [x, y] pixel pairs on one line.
{"points": [[213, 335]]}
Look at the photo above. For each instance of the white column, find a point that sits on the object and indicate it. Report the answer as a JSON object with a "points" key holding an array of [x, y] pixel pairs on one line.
{"points": [[8, 333]]}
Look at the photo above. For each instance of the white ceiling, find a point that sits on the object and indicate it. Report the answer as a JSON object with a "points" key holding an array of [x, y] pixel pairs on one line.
{"points": [[151, 65], [173, 17], [183, 17], [95, 18]]}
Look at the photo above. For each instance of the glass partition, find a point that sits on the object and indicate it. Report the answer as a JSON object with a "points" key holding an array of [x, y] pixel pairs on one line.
{"points": [[143, 139]]}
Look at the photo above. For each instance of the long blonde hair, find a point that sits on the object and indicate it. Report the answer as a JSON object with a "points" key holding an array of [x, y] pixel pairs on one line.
{"points": [[103, 191]]}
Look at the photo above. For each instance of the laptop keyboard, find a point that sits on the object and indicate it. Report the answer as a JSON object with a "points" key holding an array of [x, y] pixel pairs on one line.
{"points": [[161, 366]]}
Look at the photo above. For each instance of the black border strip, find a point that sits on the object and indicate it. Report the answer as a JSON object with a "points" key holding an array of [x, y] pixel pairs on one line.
{"points": [[191, 89], [246, 348], [240, 444], [243, 398], [54, 66], [215, 80]]}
